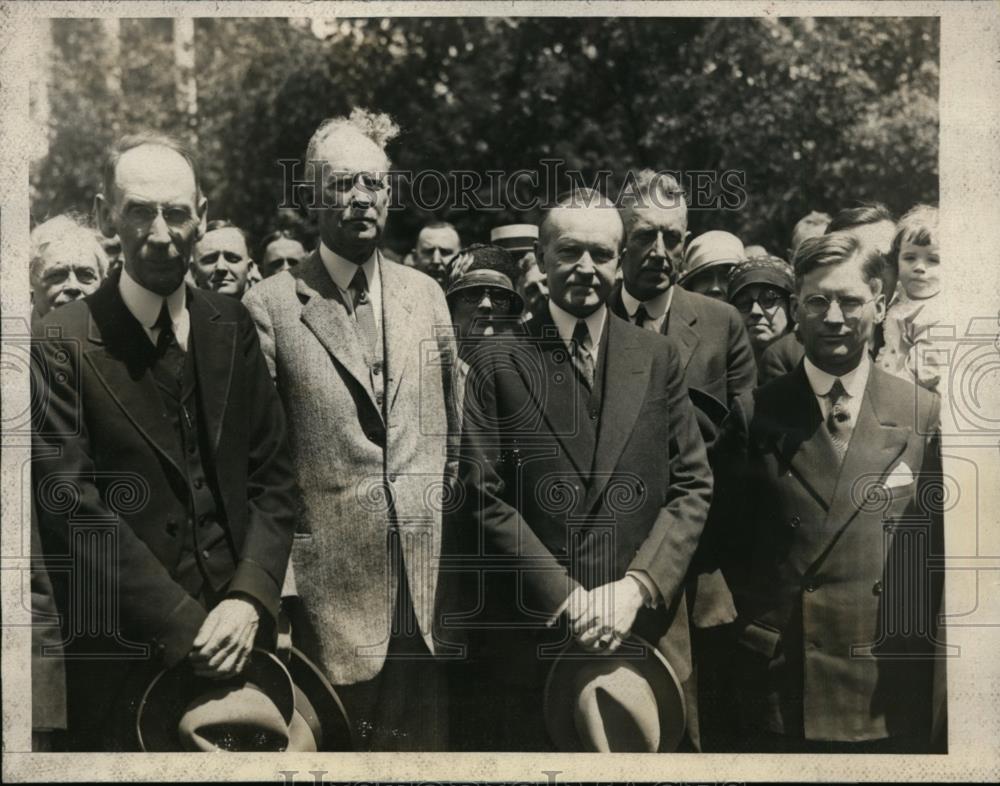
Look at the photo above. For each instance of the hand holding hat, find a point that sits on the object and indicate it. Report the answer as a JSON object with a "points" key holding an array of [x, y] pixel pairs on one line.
{"points": [[225, 639]]}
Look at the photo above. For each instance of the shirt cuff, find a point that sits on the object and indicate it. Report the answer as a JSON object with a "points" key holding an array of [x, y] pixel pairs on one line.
{"points": [[650, 594]]}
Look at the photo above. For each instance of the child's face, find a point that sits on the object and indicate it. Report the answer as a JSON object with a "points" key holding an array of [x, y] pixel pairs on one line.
{"points": [[918, 270]]}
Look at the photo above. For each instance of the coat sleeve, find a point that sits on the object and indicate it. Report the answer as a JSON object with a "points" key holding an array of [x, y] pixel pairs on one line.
{"points": [[271, 488], [152, 607], [265, 329], [741, 368], [667, 552], [488, 491]]}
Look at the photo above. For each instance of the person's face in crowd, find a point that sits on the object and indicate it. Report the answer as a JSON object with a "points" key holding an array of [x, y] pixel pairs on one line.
{"points": [[281, 254], [113, 250], [919, 270], [579, 252], [157, 214], [765, 312], [355, 194], [66, 273], [222, 262], [712, 281], [837, 313], [475, 308], [532, 286], [654, 249], [435, 249]]}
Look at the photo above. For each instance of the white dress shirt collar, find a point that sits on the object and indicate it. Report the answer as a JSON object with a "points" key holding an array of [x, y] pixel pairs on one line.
{"points": [[566, 324], [854, 383], [342, 270], [145, 307], [657, 308]]}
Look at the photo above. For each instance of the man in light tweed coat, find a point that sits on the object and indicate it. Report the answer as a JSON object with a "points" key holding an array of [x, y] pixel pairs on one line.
{"points": [[361, 350]]}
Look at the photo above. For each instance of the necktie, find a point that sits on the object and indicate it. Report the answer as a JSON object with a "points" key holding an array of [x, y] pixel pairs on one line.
{"points": [[838, 418], [642, 318], [364, 314], [169, 355], [582, 358]]}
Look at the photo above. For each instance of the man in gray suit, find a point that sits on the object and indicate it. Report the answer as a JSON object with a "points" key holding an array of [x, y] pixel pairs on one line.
{"points": [[362, 353]]}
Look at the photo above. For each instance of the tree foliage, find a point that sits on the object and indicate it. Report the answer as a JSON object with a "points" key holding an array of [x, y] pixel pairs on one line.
{"points": [[819, 113]]}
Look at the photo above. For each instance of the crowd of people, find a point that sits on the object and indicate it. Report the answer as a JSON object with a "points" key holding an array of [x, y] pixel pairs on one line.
{"points": [[587, 485]]}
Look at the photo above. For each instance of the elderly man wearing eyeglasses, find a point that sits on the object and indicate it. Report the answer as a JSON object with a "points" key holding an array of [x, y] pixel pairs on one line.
{"points": [[363, 354]]}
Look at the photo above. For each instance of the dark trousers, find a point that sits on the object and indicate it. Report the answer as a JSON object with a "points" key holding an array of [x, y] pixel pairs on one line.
{"points": [[769, 742], [405, 706]]}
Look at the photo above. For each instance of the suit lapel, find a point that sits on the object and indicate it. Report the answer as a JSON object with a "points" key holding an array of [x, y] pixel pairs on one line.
{"points": [[215, 356], [121, 357], [325, 314], [803, 444], [876, 443], [558, 392], [680, 324], [626, 379], [401, 340]]}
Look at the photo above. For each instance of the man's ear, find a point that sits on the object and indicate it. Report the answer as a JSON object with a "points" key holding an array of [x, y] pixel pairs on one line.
{"points": [[105, 214], [879, 308], [793, 305]]}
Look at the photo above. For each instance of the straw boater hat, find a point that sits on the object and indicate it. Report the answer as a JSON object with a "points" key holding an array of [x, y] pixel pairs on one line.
{"points": [[627, 701], [516, 238]]}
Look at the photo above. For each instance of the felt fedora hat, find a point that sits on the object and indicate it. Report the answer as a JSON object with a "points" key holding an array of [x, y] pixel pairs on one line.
{"points": [[268, 707], [320, 722], [627, 701], [180, 711]]}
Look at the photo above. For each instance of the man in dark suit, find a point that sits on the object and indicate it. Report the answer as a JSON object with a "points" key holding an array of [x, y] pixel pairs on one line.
{"points": [[716, 358], [875, 227], [717, 364], [583, 464], [160, 466], [832, 522]]}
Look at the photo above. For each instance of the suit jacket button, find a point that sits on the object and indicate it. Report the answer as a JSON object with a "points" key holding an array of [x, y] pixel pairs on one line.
{"points": [[593, 416], [812, 586], [794, 521], [206, 554], [392, 477], [877, 588]]}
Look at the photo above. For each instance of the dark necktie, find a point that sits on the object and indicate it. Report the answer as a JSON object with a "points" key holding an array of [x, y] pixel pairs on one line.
{"points": [[838, 418], [582, 358], [363, 312], [168, 352], [642, 317]]}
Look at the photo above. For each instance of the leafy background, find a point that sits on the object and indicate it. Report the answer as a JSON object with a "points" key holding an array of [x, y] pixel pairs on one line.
{"points": [[819, 113]]}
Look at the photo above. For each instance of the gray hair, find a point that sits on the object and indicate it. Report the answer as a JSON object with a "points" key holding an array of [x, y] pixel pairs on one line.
{"points": [[379, 127], [68, 229]]}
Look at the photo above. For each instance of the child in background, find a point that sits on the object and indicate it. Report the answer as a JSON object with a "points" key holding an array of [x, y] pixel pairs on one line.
{"points": [[915, 308]]}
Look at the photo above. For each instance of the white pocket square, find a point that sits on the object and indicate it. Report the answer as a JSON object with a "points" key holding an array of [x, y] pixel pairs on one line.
{"points": [[901, 475]]}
